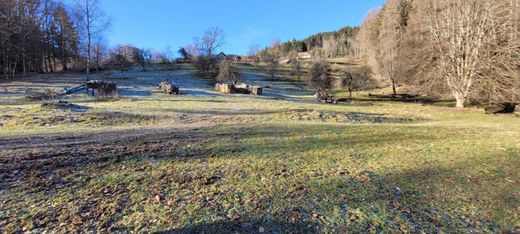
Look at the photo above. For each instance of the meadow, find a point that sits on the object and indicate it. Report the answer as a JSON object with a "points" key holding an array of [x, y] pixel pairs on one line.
{"points": [[203, 161]]}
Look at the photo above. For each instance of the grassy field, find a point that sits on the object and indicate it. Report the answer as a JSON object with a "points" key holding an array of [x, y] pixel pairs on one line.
{"points": [[274, 164]]}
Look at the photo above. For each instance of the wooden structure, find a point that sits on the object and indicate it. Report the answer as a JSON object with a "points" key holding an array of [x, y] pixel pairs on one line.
{"points": [[225, 88], [241, 88], [100, 88], [169, 88]]}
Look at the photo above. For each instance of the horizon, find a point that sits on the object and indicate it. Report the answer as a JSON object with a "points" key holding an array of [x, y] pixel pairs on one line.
{"points": [[161, 26]]}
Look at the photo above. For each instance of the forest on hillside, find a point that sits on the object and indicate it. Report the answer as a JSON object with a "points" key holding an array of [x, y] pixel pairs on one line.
{"points": [[332, 44], [467, 50]]}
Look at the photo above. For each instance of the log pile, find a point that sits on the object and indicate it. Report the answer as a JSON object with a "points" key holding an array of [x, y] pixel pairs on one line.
{"points": [[241, 88], [324, 97], [225, 88], [169, 88]]}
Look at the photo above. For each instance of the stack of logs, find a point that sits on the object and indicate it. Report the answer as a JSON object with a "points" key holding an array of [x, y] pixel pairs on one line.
{"points": [[169, 88], [238, 88], [324, 97]]}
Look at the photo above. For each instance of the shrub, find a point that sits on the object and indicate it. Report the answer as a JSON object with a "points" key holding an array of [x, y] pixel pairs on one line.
{"points": [[320, 78]]}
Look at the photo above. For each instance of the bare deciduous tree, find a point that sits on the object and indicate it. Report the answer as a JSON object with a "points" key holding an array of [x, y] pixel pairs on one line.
{"points": [[467, 36], [368, 37], [320, 77], [99, 51], [142, 57], [254, 49], [296, 65], [93, 22], [207, 46], [357, 80], [394, 20], [210, 42], [119, 58]]}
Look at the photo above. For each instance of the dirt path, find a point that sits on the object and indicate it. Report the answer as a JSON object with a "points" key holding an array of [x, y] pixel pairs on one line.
{"points": [[30, 159], [63, 140]]}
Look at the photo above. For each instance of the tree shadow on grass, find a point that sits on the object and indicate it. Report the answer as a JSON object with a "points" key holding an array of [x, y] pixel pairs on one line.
{"points": [[47, 154], [249, 227], [401, 98]]}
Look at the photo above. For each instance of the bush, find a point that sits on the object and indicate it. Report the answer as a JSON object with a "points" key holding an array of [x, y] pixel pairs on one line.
{"points": [[358, 79], [228, 72], [320, 78]]}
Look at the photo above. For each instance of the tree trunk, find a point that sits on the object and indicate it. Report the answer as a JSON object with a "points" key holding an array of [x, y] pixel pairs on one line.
{"points": [[5, 66], [394, 87], [24, 65], [460, 100], [89, 39], [97, 61], [460, 103]]}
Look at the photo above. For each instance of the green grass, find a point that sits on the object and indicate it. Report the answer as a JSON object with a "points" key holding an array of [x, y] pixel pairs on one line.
{"points": [[244, 164]]}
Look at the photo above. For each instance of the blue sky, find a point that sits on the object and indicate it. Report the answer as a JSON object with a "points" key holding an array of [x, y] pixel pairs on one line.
{"points": [[157, 24]]}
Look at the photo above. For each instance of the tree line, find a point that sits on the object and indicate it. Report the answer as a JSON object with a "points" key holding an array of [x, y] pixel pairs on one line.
{"points": [[465, 49], [36, 36], [340, 43], [49, 36]]}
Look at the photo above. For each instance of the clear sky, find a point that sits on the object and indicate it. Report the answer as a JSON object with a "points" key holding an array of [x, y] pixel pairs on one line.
{"points": [[157, 24]]}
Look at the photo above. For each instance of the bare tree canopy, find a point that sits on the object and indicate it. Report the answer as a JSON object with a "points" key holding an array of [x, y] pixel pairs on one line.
{"points": [[142, 57], [210, 42], [93, 22], [467, 49], [119, 58], [207, 47], [320, 77]]}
